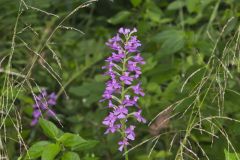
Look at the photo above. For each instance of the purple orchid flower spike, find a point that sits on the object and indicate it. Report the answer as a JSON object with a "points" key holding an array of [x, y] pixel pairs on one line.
{"points": [[123, 89], [43, 103]]}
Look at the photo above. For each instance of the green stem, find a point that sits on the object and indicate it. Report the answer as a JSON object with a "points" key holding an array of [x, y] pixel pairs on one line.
{"points": [[126, 153], [123, 126]]}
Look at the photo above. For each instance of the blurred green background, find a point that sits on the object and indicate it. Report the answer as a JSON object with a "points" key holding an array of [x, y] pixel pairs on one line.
{"points": [[178, 36]]}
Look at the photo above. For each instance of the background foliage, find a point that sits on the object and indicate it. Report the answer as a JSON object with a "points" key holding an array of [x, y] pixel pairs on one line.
{"points": [[192, 52]]}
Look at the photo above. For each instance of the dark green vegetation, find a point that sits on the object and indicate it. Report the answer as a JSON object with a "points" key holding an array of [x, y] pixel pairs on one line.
{"points": [[192, 52]]}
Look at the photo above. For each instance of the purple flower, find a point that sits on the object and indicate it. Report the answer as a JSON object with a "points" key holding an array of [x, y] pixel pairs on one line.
{"points": [[112, 129], [42, 105], [138, 116], [133, 44], [137, 74], [130, 132], [121, 112], [138, 59], [43, 93], [123, 69], [110, 120], [107, 95], [128, 102], [110, 104], [132, 66], [34, 122], [124, 31], [127, 31], [36, 113], [109, 68], [113, 85], [113, 43], [52, 99], [122, 144], [138, 90], [126, 78], [117, 57]]}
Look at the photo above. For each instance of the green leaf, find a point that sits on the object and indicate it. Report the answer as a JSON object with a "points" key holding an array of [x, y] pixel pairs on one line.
{"points": [[136, 3], [163, 154], [171, 41], [19, 158], [231, 156], [175, 5], [154, 14], [86, 145], [50, 152], [119, 17], [49, 129], [87, 89], [91, 91], [193, 5], [100, 78], [70, 156], [153, 87], [75, 142], [71, 140], [36, 149], [79, 91]]}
